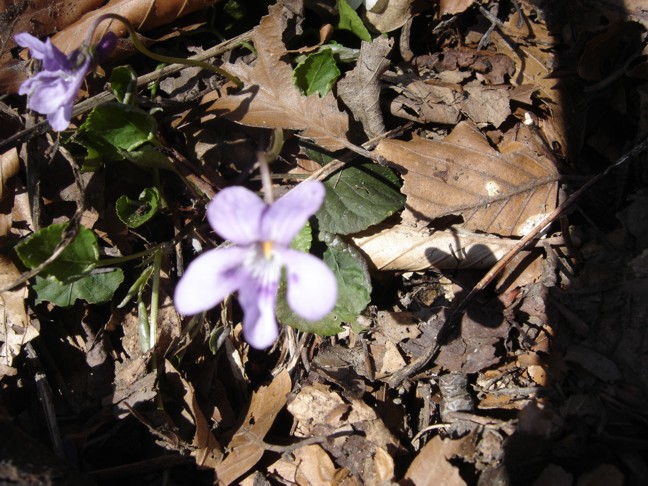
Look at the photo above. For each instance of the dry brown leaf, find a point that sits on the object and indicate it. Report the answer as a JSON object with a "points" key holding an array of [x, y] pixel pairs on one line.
{"points": [[142, 14], [453, 6], [9, 166], [504, 194], [40, 17], [246, 447], [271, 100], [15, 327], [426, 101], [388, 15], [405, 248], [310, 466], [360, 88], [208, 451], [432, 467]]}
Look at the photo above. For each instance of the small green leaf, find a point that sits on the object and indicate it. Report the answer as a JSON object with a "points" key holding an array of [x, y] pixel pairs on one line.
{"points": [[94, 288], [354, 290], [358, 197], [136, 213], [349, 20], [78, 258], [148, 157], [303, 240], [113, 128], [122, 82], [316, 73]]}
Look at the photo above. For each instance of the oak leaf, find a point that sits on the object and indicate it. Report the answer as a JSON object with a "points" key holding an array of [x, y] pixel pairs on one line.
{"points": [[271, 100]]}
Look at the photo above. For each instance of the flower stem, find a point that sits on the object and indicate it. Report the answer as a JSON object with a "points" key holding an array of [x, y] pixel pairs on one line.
{"points": [[267, 157], [158, 57], [155, 298]]}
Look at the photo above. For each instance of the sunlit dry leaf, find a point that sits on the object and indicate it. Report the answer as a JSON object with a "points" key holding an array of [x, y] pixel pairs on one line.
{"points": [[143, 14], [405, 248], [270, 98], [15, 327], [453, 6], [504, 194], [246, 447], [360, 88], [432, 467], [310, 466], [389, 15]]}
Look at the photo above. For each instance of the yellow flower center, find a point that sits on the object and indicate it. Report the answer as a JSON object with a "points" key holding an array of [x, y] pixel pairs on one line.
{"points": [[267, 249]]}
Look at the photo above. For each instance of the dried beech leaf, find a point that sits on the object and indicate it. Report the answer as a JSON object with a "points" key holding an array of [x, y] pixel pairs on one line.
{"points": [[310, 466], [432, 465], [142, 14], [453, 6], [208, 451], [40, 17], [497, 193], [270, 98], [246, 447], [360, 88], [392, 15], [405, 248]]}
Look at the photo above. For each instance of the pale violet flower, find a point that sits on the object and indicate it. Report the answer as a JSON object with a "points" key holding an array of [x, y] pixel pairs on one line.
{"points": [[369, 4], [262, 235], [54, 89]]}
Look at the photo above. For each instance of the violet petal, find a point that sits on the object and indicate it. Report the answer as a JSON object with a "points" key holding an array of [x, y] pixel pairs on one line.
{"points": [[235, 214], [312, 287], [286, 216], [209, 279], [259, 323]]}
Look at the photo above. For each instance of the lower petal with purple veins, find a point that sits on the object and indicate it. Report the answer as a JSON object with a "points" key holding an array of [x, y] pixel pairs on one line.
{"points": [[259, 322]]}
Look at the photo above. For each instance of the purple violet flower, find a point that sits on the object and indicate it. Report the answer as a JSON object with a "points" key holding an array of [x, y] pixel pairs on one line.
{"points": [[262, 234], [54, 90]]}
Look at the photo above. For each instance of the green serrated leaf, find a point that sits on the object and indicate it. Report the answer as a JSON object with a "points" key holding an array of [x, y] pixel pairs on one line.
{"points": [[136, 213], [354, 291], [316, 73], [94, 288], [122, 82], [114, 128], [349, 20], [358, 197], [78, 258]]}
